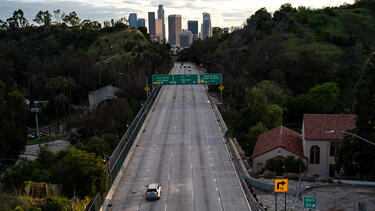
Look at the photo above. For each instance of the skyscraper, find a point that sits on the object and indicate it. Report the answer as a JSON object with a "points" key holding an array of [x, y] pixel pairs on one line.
{"points": [[141, 22], [193, 27], [186, 38], [174, 26], [161, 16], [132, 20], [206, 26], [151, 23], [158, 29]]}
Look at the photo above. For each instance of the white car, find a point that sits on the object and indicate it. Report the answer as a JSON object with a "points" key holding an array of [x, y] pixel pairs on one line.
{"points": [[153, 191]]}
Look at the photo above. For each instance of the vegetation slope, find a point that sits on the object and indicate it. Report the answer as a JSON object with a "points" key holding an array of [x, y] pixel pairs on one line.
{"points": [[279, 66]]}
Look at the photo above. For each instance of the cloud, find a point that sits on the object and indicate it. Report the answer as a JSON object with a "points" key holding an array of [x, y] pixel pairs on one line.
{"points": [[224, 13]]}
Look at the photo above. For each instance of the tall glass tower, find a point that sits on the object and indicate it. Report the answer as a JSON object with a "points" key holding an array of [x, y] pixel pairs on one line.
{"points": [[133, 20], [161, 16], [206, 26]]}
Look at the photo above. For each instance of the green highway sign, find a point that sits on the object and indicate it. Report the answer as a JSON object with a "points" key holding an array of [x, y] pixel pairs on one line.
{"points": [[186, 79], [162, 79], [210, 79], [214, 79], [309, 202]]}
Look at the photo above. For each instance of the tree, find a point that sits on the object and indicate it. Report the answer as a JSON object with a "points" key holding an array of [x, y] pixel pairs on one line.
{"points": [[12, 124], [72, 19], [3, 25], [252, 137], [365, 99], [275, 165], [58, 16], [17, 20], [355, 156], [90, 24], [294, 165], [322, 98], [61, 88], [143, 29], [83, 172], [264, 103], [43, 18], [273, 116], [273, 93]]}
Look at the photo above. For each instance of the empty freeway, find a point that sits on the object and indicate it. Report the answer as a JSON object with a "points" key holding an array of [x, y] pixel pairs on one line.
{"points": [[182, 149]]}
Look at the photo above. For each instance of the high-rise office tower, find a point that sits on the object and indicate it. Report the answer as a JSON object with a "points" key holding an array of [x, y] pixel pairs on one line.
{"points": [[193, 27], [186, 38], [141, 22], [132, 20], [174, 26], [206, 26], [161, 16], [151, 23], [158, 29]]}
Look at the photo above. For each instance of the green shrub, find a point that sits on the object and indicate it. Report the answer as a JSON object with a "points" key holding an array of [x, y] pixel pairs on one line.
{"points": [[291, 176], [275, 165], [285, 165], [268, 175], [57, 204]]}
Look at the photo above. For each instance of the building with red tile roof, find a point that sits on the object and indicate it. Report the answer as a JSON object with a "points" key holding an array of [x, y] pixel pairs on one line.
{"points": [[278, 142], [320, 147]]}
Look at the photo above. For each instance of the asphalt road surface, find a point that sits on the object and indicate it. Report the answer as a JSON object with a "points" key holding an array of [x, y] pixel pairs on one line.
{"points": [[343, 198], [183, 150]]}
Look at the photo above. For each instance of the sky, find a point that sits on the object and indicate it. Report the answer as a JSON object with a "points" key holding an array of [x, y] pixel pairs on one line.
{"points": [[224, 13]]}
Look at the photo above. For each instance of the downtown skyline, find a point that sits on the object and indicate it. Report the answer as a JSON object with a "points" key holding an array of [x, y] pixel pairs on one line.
{"points": [[223, 14]]}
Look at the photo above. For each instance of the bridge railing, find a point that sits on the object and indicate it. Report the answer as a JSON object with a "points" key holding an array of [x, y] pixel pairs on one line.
{"points": [[238, 164], [119, 155]]}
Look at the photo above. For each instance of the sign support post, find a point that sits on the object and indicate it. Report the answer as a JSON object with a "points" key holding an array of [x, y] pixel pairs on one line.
{"points": [[285, 201], [36, 111], [276, 201], [281, 186]]}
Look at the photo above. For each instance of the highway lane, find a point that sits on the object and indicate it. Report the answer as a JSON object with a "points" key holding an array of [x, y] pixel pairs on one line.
{"points": [[182, 149]]}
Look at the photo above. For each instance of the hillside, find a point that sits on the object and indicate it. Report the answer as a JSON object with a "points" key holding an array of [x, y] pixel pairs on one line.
{"points": [[60, 63], [313, 58]]}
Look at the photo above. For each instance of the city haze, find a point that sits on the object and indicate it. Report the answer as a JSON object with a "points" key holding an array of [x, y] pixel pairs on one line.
{"points": [[223, 13]]}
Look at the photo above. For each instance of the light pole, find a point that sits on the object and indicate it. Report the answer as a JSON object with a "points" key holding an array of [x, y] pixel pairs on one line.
{"points": [[348, 133]]}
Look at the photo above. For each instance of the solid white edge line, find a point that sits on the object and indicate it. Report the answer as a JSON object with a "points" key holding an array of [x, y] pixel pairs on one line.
{"points": [[231, 160]]}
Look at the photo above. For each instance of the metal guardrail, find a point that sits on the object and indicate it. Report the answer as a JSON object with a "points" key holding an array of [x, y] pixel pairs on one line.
{"points": [[119, 155], [239, 167]]}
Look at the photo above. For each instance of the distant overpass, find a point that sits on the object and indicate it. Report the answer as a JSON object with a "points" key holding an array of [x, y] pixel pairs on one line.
{"points": [[181, 148], [102, 94]]}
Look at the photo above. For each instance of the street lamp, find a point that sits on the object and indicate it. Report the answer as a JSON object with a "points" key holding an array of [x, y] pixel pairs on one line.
{"points": [[348, 133]]}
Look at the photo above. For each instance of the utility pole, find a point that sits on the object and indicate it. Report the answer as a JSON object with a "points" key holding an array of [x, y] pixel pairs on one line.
{"points": [[36, 111]]}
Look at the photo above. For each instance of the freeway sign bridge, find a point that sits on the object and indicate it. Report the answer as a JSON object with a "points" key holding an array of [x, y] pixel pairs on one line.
{"points": [[187, 79]]}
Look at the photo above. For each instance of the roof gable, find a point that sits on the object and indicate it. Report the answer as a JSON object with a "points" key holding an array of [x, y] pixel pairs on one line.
{"points": [[279, 137], [316, 125]]}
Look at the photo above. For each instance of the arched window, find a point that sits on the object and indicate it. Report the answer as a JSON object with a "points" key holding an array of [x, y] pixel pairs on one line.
{"points": [[314, 155]]}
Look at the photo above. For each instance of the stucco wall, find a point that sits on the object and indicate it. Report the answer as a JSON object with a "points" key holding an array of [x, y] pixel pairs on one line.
{"points": [[271, 154], [321, 169]]}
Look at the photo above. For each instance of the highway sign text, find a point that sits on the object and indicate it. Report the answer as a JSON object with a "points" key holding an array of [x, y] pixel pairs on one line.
{"points": [[215, 79], [309, 202]]}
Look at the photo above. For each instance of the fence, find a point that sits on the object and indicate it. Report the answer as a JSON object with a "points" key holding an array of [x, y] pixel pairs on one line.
{"points": [[119, 155]]}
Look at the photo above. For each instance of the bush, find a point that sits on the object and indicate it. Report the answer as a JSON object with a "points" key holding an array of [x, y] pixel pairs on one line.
{"points": [[293, 165], [57, 204], [275, 165], [285, 165], [268, 175], [291, 176]]}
